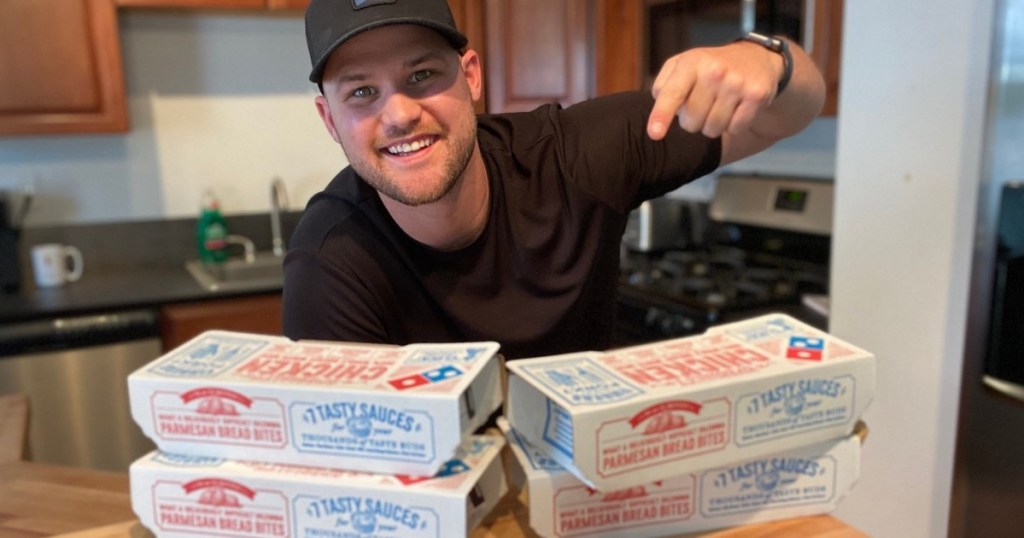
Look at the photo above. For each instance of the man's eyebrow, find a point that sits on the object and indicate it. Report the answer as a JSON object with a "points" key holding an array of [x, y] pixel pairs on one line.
{"points": [[344, 78], [425, 57]]}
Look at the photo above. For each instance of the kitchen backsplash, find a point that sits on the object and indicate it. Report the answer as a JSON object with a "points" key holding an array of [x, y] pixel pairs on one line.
{"points": [[146, 244]]}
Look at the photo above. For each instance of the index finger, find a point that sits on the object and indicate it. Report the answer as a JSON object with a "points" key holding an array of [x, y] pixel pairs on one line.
{"points": [[668, 101]]}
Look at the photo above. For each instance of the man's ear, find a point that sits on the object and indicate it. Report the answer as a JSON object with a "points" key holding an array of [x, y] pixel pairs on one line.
{"points": [[474, 73], [324, 110]]}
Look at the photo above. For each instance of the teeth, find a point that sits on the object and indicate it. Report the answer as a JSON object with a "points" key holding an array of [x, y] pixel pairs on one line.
{"points": [[409, 148]]}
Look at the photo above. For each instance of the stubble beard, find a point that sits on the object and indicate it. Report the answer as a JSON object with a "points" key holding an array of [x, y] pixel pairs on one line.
{"points": [[462, 146]]}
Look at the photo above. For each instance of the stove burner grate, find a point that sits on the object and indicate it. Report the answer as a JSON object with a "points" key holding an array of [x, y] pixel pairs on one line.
{"points": [[686, 291]]}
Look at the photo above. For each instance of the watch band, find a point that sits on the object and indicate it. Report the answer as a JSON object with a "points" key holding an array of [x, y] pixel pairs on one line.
{"points": [[779, 45]]}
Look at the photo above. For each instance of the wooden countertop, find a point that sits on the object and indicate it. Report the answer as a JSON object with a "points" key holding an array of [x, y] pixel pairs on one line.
{"points": [[44, 500]]}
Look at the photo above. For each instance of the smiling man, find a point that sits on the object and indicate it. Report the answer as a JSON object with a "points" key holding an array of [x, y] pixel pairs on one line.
{"points": [[448, 226]]}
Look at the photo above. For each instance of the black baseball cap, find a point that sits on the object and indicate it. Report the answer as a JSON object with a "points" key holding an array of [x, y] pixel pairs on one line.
{"points": [[329, 23]]}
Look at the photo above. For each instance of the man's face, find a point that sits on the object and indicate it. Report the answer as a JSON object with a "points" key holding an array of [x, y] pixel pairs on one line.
{"points": [[399, 100]]}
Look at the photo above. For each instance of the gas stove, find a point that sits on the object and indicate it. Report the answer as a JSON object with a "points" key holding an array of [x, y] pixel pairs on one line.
{"points": [[765, 245]]}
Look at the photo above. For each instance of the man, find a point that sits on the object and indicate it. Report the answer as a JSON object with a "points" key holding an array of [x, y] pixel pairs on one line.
{"points": [[450, 227]]}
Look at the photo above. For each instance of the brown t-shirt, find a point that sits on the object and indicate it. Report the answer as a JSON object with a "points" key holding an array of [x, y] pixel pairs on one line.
{"points": [[541, 278]]}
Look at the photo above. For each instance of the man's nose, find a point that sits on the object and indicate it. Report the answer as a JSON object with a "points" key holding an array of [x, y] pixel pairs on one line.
{"points": [[401, 111]]}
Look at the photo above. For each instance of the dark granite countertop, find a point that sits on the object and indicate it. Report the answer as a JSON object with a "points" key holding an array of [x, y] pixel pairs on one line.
{"points": [[128, 265], [112, 290]]}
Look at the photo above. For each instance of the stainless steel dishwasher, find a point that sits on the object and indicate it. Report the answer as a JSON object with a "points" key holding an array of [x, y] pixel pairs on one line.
{"points": [[75, 370]]}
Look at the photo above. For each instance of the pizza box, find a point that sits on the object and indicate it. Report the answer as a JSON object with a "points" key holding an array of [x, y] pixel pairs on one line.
{"points": [[372, 408], [192, 496], [630, 416], [801, 482]]}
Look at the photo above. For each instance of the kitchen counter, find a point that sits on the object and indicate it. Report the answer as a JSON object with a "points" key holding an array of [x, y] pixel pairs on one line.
{"points": [[39, 500], [128, 265], [45, 500], [110, 290]]}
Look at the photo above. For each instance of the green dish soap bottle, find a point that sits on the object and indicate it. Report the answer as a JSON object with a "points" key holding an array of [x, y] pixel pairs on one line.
{"points": [[211, 231]]}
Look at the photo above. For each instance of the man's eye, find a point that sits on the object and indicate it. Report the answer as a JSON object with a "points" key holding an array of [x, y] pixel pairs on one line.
{"points": [[362, 93], [420, 76]]}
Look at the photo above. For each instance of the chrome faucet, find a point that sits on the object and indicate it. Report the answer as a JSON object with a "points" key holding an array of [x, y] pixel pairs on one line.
{"points": [[278, 201], [246, 243]]}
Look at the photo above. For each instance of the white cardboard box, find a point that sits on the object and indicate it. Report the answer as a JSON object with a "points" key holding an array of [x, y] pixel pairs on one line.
{"points": [[186, 496], [739, 391], [801, 482], [378, 409]]}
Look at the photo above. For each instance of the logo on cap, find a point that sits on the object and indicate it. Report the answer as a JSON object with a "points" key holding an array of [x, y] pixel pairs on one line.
{"points": [[360, 4]]}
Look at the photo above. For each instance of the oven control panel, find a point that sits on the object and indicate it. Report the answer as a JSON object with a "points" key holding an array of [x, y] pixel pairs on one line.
{"points": [[784, 203]]}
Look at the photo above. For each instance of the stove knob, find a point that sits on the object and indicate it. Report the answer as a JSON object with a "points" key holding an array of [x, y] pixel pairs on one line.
{"points": [[667, 323], [653, 317], [677, 325]]}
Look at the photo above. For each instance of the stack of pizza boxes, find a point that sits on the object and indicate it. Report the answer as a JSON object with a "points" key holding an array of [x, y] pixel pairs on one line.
{"points": [[752, 421], [261, 436]]}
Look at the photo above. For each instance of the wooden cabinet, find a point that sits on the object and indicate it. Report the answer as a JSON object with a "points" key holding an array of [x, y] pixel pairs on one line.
{"points": [[469, 19], [216, 4], [618, 32], [254, 314], [537, 53], [618, 45], [60, 67], [826, 49], [287, 4]]}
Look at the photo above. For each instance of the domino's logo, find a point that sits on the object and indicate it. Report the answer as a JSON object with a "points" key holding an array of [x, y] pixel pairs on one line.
{"points": [[450, 468], [428, 377], [806, 348]]}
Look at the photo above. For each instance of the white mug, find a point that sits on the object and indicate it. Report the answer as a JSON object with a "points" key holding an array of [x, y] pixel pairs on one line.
{"points": [[51, 267]]}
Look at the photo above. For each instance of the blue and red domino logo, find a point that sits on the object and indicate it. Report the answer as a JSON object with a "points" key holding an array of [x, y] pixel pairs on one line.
{"points": [[807, 348], [436, 375], [451, 467]]}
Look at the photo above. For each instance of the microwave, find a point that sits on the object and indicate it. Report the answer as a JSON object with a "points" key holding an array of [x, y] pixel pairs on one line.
{"points": [[672, 26]]}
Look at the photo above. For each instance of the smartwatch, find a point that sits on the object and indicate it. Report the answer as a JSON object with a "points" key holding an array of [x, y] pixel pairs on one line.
{"points": [[779, 45]]}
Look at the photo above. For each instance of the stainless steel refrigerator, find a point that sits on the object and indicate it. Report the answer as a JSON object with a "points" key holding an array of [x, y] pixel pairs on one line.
{"points": [[988, 487]]}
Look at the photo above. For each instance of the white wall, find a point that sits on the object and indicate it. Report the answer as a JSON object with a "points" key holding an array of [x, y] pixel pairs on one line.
{"points": [[216, 100], [810, 153], [914, 78]]}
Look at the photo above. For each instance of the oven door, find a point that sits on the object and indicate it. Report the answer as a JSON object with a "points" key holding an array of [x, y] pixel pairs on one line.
{"points": [[672, 26]]}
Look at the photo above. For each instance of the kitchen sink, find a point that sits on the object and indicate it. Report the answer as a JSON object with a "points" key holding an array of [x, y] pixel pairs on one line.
{"points": [[263, 271]]}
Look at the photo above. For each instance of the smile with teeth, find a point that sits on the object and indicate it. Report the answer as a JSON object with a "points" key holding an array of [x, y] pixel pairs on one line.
{"points": [[410, 147]]}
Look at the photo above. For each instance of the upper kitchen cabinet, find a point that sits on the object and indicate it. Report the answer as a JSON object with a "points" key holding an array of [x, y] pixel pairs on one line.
{"points": [[60, 67], [287, 4], [537, 53], [619, 44], [469, 18], [826, 49], [217, 4]]}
